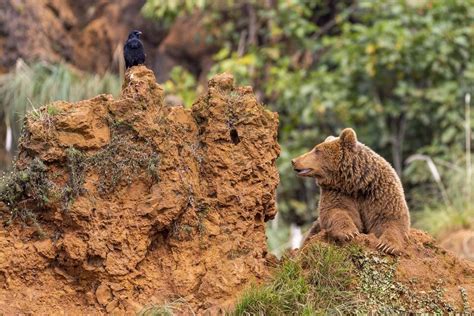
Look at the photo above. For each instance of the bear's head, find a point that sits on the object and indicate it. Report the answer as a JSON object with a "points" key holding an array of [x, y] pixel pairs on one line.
{"points": [[326, 161]]}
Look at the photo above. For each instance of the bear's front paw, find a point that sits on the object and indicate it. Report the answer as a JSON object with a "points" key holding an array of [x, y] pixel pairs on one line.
{"points": [[343, 235], [389, 245]]}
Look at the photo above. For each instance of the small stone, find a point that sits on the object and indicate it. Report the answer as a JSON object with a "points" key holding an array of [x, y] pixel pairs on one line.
{"points": [[111, 306], [103, 295]]}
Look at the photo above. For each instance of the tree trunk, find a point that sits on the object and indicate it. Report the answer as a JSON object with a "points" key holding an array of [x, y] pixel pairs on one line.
{"points": [[397, 127], [4, 154]]}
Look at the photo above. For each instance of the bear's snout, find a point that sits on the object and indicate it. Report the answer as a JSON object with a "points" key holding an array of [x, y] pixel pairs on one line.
{"points": [[299, 166]]}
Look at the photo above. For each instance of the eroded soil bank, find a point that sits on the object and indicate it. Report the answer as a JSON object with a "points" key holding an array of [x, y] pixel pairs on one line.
{"points": [[115, 204]]}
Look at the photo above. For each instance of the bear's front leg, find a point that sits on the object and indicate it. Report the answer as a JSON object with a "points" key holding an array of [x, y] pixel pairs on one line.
{"points": [[339, 224], [392, 239]]}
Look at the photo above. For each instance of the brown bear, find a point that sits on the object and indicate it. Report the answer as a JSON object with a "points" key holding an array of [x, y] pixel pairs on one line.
{"points": [[360, 192]]}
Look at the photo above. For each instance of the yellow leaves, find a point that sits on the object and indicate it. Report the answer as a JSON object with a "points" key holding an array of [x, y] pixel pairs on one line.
{"points": [[370, 49], [248, 60], [399, 44], [319, 108], [370, 67], [272, 52], [275, 31]]}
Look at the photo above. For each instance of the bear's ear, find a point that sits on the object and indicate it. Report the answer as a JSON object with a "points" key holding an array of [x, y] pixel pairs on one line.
{"points": [[348, 138], [329, 138]]}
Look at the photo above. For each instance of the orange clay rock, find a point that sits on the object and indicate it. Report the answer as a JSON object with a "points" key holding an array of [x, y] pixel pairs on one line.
{"points": [[128, 202], [360, 192]]}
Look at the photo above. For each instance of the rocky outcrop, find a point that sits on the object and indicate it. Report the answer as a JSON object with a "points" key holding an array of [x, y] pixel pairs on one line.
{"points": [[115, 204]]}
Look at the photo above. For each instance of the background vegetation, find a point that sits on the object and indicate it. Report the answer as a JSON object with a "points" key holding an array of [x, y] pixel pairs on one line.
{"points": [[399, 72]]}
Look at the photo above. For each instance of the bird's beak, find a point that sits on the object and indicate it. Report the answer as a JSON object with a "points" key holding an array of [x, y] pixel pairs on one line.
{"points": [[140, 33]]}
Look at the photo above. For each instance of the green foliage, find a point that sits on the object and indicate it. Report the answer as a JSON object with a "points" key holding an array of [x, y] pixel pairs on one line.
{"points": [[26, 190], [182, 84], [30, 184], [396, 71], [168, 10], [30, 86]]}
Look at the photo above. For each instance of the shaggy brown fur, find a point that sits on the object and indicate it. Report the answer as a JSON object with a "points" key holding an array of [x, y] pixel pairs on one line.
{"points": [[360, 192]]}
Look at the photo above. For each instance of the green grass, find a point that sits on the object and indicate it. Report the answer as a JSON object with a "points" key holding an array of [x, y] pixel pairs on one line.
{"points": [[316, 282], [31, 86], [442, 220]]}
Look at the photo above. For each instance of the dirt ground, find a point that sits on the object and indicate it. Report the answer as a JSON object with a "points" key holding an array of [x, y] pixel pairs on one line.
{"points": [[460, 243]]}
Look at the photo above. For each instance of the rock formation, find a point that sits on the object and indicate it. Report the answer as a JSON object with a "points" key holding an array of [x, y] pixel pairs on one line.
{"points": [[116, 204]]}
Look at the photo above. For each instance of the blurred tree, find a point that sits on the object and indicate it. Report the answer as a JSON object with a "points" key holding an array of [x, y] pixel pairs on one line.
{"points": [[396, 71]]}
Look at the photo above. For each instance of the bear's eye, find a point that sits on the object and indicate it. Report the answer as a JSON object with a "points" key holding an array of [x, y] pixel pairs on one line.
{"points": [[317, 151]]}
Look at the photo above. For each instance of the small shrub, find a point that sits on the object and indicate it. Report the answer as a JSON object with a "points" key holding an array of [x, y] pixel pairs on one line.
{"points": [[122, 159], [30, 184], [25, 191]]}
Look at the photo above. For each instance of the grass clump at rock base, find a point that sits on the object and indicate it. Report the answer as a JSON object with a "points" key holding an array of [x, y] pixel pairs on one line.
{"points": [[328, 279], [316, 281]]}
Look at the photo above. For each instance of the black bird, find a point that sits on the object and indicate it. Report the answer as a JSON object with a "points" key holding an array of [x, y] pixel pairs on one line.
{"points": [[133, 51]]}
